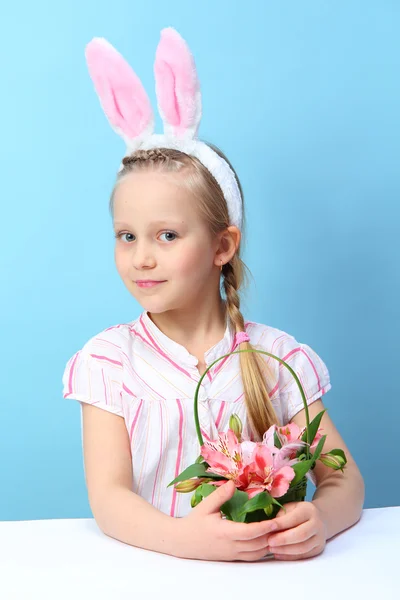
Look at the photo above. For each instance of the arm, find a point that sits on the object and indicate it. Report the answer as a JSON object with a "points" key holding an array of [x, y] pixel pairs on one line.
{"points": [[125, 516], [304, 527], [339, 496], [118, 511]]}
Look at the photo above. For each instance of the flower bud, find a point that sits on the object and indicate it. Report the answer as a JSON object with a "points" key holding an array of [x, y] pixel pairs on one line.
{"points": [[268, 510], [189, 485], [236, 425], [334, 461], [196, 499]]}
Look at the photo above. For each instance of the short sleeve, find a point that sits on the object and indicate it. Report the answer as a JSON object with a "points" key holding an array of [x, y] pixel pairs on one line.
{"points": [[311, 371], [94, 375]]}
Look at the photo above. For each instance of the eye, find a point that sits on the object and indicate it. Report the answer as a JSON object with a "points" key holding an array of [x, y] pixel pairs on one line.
{"points": [[175, 235], [121, 233]]}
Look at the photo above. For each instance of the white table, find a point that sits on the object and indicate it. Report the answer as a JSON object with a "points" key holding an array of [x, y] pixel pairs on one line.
{"points": [[73, 559]]}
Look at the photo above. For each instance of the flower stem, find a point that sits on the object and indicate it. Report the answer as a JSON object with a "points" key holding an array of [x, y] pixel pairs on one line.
{"points": [[196, 395]]}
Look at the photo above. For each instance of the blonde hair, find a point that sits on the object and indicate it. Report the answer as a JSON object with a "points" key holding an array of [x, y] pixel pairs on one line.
{"points": [[213, 209]]}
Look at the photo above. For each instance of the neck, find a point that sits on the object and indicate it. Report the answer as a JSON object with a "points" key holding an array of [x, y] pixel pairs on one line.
{"points": [[194, 327]]}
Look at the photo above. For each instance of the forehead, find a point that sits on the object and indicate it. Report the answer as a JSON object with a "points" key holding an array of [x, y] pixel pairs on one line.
{"points": [[153, 196]]}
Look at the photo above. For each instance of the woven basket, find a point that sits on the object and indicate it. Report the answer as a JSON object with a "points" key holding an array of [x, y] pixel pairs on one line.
{"points": [[295, 494]]}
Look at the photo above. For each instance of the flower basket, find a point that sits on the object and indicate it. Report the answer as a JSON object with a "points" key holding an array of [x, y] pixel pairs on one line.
{"points": [[267, 474]]}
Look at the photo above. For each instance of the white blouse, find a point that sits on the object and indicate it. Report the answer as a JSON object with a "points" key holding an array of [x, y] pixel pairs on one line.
{"points": [[138, 373]]}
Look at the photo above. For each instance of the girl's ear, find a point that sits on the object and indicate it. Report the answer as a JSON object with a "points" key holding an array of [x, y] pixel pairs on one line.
{"points": [[120, 91], [177, 86]]}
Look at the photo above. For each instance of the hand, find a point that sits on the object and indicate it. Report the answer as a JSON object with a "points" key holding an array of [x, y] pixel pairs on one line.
{"points": [[203, 534], [301, 532]]}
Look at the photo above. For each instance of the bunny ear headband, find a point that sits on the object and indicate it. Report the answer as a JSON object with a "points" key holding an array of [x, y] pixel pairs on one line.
{"points": [[129, 112]]}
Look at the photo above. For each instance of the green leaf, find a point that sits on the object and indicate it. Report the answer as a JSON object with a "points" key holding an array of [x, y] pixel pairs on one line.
{"points": [[195, 470], [274, 501], [233, 507], [205, 489], [199, 459], [318, 449], [277, 441], [313, 427], [301, 469], [260, 501]]}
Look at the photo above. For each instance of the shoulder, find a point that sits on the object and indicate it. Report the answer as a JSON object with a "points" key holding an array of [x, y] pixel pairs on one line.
{"points": [[276, 341], [98, 366], [269, 338], [301, 357], [114, 337], [111, 345], [95, 374]]}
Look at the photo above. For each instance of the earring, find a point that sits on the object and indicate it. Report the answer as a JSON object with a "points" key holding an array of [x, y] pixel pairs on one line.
{"points": [[221, 265]]}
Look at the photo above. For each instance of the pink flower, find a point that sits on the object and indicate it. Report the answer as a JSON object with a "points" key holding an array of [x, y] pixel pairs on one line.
{"points": [[286, 434], [265, 473], [224, 456], [253, 466], [318, 436], [290, 438]]}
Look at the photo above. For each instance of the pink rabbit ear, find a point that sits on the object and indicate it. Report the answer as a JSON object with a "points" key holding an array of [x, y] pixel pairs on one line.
{"points": [[120, 91], [177, 85]]}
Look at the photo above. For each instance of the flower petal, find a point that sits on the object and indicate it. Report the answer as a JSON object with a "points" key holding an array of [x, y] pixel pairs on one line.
{"points": [[253, 491], [290, 431], [247, 451], [263, 457], [232, 441], [268, 437], [216, 459], [287, 453], [282, 479]]}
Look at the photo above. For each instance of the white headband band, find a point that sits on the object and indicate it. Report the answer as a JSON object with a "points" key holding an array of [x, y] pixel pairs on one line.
{"points": [[129, 111]]}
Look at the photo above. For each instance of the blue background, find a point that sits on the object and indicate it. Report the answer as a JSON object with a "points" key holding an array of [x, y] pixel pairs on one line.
{"points": [[312, 89]]}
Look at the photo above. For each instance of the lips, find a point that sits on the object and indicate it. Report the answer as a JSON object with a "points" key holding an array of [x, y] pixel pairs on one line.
{"points": [[148, 283]]}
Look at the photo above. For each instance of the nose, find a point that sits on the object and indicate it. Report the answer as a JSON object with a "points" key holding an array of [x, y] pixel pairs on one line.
{"points": [[142, 258]]}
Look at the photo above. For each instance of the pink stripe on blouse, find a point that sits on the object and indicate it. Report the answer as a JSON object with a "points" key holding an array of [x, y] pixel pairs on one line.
{"points": [[135, 420], [71, 373], [161, 454], [106, 359], [179, 456]]}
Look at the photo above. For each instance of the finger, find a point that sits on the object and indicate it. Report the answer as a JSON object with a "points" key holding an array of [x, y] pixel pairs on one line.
{"points": [[296, 549], [249, 531], [213, 502], [260, 543], [314, 552], [287, 508], [252, 556], [295, 516], [298, 534]]}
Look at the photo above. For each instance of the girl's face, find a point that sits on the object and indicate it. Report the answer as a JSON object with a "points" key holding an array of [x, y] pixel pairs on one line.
{"points": [[160, 237]]}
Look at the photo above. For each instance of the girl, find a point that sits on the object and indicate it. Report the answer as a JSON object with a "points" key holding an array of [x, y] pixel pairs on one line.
{"points": [[177, 210]]}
